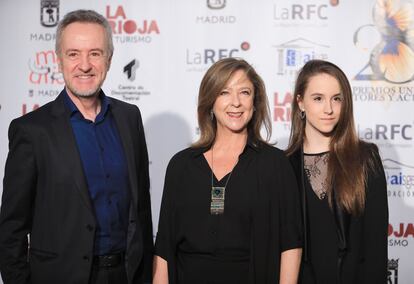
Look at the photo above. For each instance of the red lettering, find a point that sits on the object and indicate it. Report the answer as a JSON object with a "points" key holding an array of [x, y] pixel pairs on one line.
{"points": [[113, 26], [119, 13], [409, 231], [153, 28], [35, 78], [279, 114], [24, 108], [130, 27], [400, 233], [390, 230], [287, 100], [45, 57], [403, 231], [282, 110]]}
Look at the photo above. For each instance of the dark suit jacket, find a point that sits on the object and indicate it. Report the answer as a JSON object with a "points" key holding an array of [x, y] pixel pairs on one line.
{"points": [[45, 195], [362, 240]]}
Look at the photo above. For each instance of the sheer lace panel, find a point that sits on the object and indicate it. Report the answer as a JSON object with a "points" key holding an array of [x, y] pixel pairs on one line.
{"points": [[316, 169]]}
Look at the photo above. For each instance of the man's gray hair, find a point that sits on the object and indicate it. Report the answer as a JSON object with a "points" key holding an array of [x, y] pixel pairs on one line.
{"points": [[84, 16]]}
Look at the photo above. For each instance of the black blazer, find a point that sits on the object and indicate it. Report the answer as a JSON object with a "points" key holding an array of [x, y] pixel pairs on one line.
{"points": [[45, 195], [362, 241]]}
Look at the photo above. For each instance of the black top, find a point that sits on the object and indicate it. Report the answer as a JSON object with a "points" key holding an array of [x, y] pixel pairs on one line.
{"points": [[204, 248], [338, 245], [322, 237]]}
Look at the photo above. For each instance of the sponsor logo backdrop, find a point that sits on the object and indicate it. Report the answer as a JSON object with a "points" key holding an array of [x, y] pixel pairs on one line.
{"points": [[163, 48]]}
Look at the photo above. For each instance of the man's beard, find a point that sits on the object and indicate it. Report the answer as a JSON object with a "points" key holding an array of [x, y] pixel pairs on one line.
{"points": [[84, 94]]}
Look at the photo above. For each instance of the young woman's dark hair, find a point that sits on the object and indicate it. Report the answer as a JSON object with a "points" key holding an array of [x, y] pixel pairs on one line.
{"points": [[349, 160]]}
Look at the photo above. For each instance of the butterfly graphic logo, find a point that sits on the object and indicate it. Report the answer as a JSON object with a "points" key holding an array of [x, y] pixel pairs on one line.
{"points": [[392, 58]]}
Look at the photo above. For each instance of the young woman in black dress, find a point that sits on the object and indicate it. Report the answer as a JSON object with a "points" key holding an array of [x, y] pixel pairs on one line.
{"points": [[341, 181], [228, 213]]}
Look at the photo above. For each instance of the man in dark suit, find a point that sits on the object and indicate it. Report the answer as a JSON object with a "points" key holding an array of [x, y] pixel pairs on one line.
{"points": [[76, 204]]}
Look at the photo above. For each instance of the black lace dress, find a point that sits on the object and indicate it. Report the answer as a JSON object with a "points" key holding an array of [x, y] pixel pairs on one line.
{"points": [[323, 238]]}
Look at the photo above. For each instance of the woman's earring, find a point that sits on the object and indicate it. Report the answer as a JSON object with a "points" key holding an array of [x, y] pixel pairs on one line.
{"points": [[211, 115], [302, 115]]}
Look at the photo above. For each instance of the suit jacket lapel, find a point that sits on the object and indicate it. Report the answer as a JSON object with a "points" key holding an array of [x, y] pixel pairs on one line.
{"points": [[124, 130], [342, 220], [296, 159], [70, 157]]}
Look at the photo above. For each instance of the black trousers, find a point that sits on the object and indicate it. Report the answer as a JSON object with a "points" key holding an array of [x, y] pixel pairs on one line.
{"points": [[109, 275]]}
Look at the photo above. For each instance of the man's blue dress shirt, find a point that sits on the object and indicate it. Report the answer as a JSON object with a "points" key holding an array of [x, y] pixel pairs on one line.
{"points": [[106, 173]]}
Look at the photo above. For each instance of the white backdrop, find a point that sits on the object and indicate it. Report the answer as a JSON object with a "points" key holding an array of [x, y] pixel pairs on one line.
{"points": [[168, 45]]}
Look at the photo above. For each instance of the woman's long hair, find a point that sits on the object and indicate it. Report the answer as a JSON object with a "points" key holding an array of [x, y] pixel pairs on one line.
{"points": [[349, 158], [211, 86]]}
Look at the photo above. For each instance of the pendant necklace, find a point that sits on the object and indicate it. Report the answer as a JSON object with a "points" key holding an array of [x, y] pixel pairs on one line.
{"points": [[218, 193]]}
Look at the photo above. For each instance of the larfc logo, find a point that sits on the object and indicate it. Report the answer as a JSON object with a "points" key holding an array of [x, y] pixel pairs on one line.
{"points": [[49, 13]]}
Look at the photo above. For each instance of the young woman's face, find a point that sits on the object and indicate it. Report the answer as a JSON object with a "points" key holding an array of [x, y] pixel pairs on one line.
{"points": [[322, 104]]}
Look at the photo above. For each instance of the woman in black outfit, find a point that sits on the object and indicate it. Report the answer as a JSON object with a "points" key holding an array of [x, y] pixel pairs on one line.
{"points": [[341, 181], [230, 208]]}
